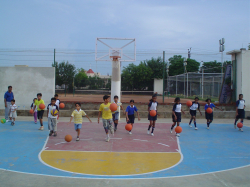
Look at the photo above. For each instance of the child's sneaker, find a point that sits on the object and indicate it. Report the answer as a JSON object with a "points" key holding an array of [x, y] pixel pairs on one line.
{"points": [[196, 128], [208, 128], [148, 132], [115, 129], [55, 134], [77, 139], [107, 139], [41, 128], [171, 131], [178, 135], [7, 121], [50, 133], [130, 133], [152, 134], [12, 123], [112, 131], [190, 126], [241, 130]]}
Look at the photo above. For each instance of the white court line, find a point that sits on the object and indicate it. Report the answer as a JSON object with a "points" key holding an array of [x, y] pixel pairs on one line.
{"points": [[141, 140], [115, 138], [60, 143], [86, 139], [163, 144]]}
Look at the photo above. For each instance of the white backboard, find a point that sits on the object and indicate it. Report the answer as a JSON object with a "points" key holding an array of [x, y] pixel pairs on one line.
{"points": [[123, 47]]}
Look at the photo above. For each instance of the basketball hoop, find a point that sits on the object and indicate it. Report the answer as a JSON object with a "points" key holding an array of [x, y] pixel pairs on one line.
{"points": [[115, 58]]}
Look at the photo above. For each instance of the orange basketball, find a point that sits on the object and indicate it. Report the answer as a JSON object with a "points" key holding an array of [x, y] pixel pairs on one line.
{"points": [[239, 125], [152, 113], [189, 103], [128, 127], [42, 106], [209, 110], [61, 105], [113, 107], [31, 111], [178, 129], [68, 138]]}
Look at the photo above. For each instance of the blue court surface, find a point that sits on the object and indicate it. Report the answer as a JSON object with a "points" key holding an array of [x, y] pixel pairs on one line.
{"points": [[203, 151]]}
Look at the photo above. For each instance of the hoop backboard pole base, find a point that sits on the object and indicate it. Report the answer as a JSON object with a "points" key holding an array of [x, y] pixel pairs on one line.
{"points": [[116, 80]]}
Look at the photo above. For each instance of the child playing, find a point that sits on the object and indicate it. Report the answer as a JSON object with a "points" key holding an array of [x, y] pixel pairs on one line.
{"points": [[176, 114], [106, 116], [52, 119], [39, 111], [12, 112], [195, 105], [210, 117], [77, 114], [152, 106], [35, 112], [115, 114], [130, 110], [57, 103], [240, 111]]}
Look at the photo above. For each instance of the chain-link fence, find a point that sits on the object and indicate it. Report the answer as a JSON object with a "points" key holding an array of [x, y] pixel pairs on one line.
{"points": [[203, 85]]}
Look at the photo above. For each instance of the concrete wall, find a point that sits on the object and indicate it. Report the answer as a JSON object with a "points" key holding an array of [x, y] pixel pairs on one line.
{"points": [[245, 73], [158, 86], [26, 83]]}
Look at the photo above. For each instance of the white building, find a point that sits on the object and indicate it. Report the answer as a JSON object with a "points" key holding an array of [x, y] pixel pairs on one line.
{"points": [[241, 74]]}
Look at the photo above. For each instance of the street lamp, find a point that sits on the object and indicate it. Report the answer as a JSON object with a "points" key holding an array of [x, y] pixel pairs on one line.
{"points": [[185, 70]]}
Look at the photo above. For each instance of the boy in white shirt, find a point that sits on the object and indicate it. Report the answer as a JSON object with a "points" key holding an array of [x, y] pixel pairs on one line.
{"points": [[52, 117], [12, 112]]}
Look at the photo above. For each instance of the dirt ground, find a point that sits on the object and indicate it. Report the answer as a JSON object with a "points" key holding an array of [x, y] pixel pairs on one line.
{"points": [[124, 98]]}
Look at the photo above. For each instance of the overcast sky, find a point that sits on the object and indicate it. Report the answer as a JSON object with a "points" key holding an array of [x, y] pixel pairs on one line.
{"points": [[173, 26]]}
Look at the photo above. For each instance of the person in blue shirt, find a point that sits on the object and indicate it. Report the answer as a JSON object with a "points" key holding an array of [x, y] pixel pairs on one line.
{"points": [[130, 114], [240, 111], [210, 117], [8, 96]]}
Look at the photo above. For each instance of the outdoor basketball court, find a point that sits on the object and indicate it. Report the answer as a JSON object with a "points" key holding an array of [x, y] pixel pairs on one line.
{"points": [[138, 156]]}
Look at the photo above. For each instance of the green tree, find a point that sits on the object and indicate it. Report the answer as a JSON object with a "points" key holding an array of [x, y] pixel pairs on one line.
{"points": [[81, 78], [214, 66], [249, 46], [177, 67], [65, 73], [156, 65]]}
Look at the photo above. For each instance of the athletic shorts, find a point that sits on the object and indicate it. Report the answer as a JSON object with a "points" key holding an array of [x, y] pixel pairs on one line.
{"points": [[131, 118], [241, 114], [107, 123], [209, 116], [192, 113], [178, 115], [115, 116], [40, 114], [78, 126], [150, 118], [13, 114]]}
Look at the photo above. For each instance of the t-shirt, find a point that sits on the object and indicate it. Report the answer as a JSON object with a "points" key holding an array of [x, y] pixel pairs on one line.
{"points": [[78, 116], [131, 110], [13, 107], [240, 104], [57, 103], [153, 105], [50, 108], [32, 106], [195, 106], [9, 96], [37, 103], [177, 107], [209, 106], [106, 112], [118, 107]]}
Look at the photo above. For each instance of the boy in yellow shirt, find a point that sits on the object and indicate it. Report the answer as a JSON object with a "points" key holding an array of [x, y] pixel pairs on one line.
{"points": [[77, 115], [106, 116], [39, 111]]}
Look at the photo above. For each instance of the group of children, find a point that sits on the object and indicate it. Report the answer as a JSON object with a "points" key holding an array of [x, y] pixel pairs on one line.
{"points": [[108, 117]]}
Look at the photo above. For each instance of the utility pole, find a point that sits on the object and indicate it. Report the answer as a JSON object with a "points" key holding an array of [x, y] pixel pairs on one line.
{"points": [[163, 78], [221, 49], [55, 65]]}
